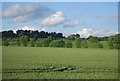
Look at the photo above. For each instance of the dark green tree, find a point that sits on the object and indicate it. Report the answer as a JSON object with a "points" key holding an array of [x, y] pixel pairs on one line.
{"points": [[77, 36], [73, 36]]}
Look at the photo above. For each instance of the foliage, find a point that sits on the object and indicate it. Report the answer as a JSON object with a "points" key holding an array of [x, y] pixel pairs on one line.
{"points": [[50, 38], [117, 46], [92, 39], [73, 36], [85, 44], [6, 43], [78, 42], [103, 38], [100, 45], [39, 44], [116, 39], [110, 42], [32, 42], [18, 42], [68, 44], [32, 34], [24, 40], [58, 43], [8, 34], [47, 42]]}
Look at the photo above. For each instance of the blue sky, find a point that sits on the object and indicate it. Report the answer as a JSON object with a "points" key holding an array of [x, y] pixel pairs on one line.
{"points": [[84, 18]]}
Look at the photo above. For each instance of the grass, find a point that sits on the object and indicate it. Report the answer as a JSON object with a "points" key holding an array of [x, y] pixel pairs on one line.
{"points": [[59, 63]]}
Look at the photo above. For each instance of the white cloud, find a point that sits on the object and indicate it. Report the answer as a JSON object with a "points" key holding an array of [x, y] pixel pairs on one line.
{"points": [[100, 33], [25, 12], [15, 31], [53, 19], [74, 24]]}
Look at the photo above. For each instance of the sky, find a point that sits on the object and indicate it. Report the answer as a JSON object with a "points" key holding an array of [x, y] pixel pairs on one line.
{"points": [[84, 18]]}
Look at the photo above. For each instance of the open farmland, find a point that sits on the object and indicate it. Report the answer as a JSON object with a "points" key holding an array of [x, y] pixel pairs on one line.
{"points": [[59, 63]]}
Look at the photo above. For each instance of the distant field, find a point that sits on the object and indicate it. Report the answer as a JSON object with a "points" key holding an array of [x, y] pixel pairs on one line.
{"points": [[59, 63]]}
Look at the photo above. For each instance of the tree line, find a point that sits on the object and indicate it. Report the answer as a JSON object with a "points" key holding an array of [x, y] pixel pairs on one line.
{"points": [[31, 34], [53, 39]]}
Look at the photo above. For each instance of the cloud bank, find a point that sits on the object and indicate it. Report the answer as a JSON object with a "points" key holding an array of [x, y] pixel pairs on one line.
{"points": [[99, 33]]}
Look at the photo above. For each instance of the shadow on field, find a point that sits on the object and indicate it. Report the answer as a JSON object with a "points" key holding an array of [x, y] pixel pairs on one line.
{"points": [[38, 70], [61, 68]]}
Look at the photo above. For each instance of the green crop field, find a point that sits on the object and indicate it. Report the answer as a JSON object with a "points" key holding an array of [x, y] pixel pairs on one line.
{"points": [[59, 63]]}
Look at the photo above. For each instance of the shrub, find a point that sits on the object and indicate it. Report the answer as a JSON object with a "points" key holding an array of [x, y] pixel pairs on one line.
{"points": [[46, 43], [111, 46], [111, 43], [32, 42], [24, 40], [25, 44], [117, 46], [92, 39], [58, 43], [18, 42], [39, 44], [78, 42], [68, 44], [100, 45], [6, 43], [85, 44]]}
